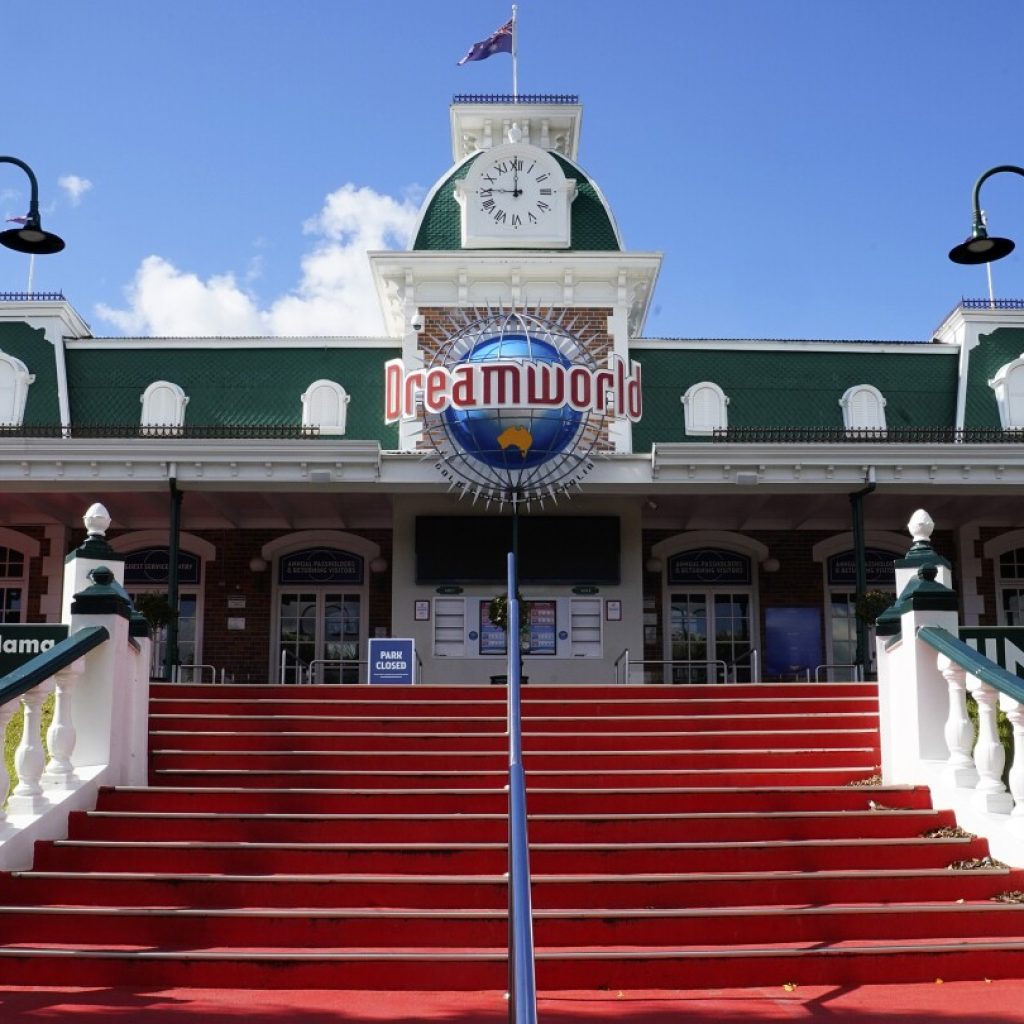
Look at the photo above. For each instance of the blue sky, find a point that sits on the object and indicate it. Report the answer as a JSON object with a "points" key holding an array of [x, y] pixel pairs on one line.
{"points": [[804, 165]]}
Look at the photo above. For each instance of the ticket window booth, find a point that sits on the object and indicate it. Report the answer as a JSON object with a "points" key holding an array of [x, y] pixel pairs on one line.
{"points": [[321, 617], [146, 572], [711, 615]]}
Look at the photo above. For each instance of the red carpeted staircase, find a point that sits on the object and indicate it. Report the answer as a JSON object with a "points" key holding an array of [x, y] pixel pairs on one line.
{"points": [[354, 837]]}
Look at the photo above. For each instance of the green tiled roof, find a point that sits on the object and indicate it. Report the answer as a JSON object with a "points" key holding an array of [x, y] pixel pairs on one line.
{"points": [[994, 350], [591, 224], [256, 386], [31, 347], [791, 389]]}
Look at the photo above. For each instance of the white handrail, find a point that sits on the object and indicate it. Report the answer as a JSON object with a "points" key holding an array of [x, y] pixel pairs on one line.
{"points": [[522, 986], [717, 662], [314, 670], [857, 670], [615, 666], [178, 670], [300, 665]]}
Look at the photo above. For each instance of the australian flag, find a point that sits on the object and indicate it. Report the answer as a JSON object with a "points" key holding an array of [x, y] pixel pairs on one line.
{"points": [[499, 41]]}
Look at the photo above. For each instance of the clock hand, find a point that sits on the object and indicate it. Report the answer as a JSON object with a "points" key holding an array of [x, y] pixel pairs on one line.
{"points": [[516, 190]]}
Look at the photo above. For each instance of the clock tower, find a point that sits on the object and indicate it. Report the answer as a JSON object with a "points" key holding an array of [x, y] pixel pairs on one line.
{"points": [[516, 224]]}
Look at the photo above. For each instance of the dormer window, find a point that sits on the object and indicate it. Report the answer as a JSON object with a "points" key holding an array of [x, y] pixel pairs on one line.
{"points": [[163, 408], [1008, 385], [863, 408], [704, 409], [14, 382], [325, 405]]}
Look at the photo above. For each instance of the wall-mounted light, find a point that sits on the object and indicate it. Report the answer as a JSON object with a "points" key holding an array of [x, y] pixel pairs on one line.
{"points": [[770, 565], [653, 565], [257, 564], [379, 564]]}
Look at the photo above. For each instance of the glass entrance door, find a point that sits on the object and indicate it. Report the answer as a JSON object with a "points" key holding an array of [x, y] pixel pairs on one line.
{"points": [[188, 639], [319, 636], [710, 637]]}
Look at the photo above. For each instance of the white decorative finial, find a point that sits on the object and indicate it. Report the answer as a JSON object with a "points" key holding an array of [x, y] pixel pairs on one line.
{"points": [[921, 526], [515, 133], [97, 520]]}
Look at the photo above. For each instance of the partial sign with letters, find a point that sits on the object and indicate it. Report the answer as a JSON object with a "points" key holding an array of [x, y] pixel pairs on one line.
{"points": [[20, 643]]}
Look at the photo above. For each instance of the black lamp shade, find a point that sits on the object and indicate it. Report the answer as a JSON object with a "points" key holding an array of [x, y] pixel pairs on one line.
{"points": [[31, 239], [981, 249]]}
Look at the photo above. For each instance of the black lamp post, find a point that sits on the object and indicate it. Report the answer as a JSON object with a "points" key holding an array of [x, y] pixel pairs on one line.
{"points": [[30, 236], [979, 247]]}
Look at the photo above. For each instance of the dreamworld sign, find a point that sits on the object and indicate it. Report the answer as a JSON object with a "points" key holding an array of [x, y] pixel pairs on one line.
{"points": [[513, 384], [515, 403]]}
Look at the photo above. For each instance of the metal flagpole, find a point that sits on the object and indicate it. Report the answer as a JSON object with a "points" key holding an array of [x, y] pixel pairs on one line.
{"points": [[988, 266], [31, 270], [515, 52]]}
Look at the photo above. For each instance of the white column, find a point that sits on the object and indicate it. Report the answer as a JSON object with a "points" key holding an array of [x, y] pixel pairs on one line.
{"points": [[1015, 714], [989, 757], [959, 731], [29, 758], [61, 736], [6, 714]]}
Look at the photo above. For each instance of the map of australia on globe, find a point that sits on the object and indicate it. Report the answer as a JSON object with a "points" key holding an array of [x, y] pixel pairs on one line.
{"points": [[516, 437]]}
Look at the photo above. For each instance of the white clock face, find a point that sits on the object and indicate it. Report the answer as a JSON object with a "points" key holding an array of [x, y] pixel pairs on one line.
{"points": [[516, 193]]}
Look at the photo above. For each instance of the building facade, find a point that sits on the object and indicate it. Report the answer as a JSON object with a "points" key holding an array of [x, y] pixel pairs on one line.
{"points": [[711, 535]]}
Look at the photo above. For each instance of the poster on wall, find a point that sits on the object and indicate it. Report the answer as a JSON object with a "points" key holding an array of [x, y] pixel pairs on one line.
{"points": [[792, 642], [492, 637], [539, 637]]}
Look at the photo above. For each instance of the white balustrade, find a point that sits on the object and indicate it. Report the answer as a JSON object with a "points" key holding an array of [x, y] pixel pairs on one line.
{"points": [[30, 758], [1015, 715], [959, 730], [98, 735], [989, 756], [6, 714], [60, 737]]}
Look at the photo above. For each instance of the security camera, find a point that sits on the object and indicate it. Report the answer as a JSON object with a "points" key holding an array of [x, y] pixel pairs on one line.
{"points": [[417, 322]]}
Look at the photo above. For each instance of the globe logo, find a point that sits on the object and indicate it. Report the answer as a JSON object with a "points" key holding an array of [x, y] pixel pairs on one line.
{"points": [[514, 440], [510, 405]]}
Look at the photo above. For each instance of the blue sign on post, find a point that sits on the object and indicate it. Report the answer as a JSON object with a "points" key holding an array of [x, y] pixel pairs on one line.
{"points": [[392, 660]]}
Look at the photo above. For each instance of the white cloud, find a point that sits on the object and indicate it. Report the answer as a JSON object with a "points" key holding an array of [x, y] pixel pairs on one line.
{"points": [[75, 187], [334, 295]]}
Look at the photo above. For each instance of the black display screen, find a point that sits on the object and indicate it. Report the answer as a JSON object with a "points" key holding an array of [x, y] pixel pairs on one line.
{"points": [[552, 549]]}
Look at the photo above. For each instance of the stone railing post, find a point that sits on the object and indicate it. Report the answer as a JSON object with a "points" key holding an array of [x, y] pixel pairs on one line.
{"points": [[913, 694], [94, 595]]}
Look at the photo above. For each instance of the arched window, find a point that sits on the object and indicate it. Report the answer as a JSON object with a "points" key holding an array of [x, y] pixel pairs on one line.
{"points": [[163, 408], [704, 408], [863, 408], [1008, 384], [14, 382], [325, 405]]}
